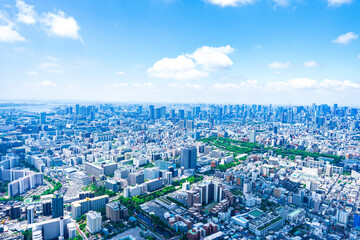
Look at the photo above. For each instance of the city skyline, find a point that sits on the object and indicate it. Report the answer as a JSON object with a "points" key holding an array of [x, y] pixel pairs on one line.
{"points": [[210, 51]]}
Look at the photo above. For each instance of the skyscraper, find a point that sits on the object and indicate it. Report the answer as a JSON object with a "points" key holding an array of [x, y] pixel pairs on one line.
{"points": [[151, 112], [253, 136], [43, 118], [57, 206], [188, 157]]}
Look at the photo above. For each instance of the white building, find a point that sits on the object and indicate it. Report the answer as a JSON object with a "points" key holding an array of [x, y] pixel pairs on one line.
{"points": [[93, 221]]}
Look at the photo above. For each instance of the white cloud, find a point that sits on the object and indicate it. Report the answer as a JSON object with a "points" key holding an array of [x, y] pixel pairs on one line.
{"points": [[310, 64], [46, 84], [117, 85], [144, 85], [26, 13], [212, 58], [180, 67], [336, 3], [120, 73], [346, 38], [46, 65], [61, 25], [279, 65], [245, 85], [8, 34], [359, 56], [337, 85], [282, 3], [225, 86], [32, 73], [311, 84], [193, 66], [230, 3]]}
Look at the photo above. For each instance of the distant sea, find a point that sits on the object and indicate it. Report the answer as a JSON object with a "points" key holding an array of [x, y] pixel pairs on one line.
{"points": [[29, 107]]}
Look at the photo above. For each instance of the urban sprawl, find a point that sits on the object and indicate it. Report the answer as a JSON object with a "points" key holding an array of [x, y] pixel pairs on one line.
{"points": [[179, 171]]}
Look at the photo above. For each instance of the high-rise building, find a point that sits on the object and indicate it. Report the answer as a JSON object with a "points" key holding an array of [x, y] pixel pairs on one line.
{"points": [[188, 157], [43, 118], [30, 214], [77, 109], [253, 136], [151, 112], [93, 220], [116, 212], [57, 206], [46, 207], [14, 212], [135, 178]]}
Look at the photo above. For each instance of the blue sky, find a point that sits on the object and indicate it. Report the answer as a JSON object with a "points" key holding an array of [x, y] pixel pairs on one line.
{"points": [[214, 51]]}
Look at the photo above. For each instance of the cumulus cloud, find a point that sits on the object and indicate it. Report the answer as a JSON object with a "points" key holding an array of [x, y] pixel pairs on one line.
{"points": [[8, 34], [26, 13], [230, 3], [282, 3], [193, 66], [311, 64], [212, 58], [279, 65], [46, 84], [337, 3], [346, 38], [61, 25]]}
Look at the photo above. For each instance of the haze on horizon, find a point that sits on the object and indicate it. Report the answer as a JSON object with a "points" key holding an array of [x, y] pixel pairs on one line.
{"points": [[202, 51]]}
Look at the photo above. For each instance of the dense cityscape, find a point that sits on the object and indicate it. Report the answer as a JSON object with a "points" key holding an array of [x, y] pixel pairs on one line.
{"points": [[179, 171]]}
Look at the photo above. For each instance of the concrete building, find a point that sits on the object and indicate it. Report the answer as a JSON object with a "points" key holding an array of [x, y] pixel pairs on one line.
{"points": [[188, 157], [93, 221], [80, 207], [116, 212]]}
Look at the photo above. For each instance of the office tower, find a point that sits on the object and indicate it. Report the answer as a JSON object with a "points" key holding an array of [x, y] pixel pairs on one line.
{"points": [[181, 124], [93, 221], [57, 206], [181, 113], [43, 118], [46, 206], [116, 212], [168, 178], [30, 214], [172, 114], [188, 157], [139, 109], [163, 112], [135, 178], [77, 109], [253, 136], [157, 113], [14, 212], [189, 124], [151, 112], [275, 130]]}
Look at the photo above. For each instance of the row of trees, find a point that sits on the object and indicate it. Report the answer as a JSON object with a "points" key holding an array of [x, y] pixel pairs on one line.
{"points": [[134, 202]]}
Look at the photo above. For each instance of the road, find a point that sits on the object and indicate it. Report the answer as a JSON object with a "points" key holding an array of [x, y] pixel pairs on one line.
{"points": [[81, 232], [49, 184]]}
